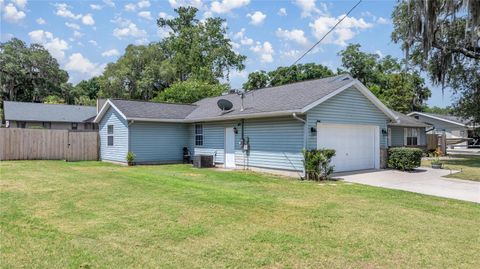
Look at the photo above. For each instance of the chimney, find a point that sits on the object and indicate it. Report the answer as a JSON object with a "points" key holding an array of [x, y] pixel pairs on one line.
{"points": [[100, 103]]}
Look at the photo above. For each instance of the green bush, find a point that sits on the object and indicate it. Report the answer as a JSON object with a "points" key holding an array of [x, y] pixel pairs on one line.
{"points": [[404, 159], [130, 157], [317, 163]]}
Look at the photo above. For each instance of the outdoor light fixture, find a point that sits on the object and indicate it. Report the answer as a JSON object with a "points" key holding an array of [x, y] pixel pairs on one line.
{"points": [[235, 130], [384, 132], [313, 130]]}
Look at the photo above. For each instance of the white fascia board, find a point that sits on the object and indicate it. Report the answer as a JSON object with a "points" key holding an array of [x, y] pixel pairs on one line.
{"points": [[375, 100], [357, 84], [326, 97], [436, 118], [104, 109]]}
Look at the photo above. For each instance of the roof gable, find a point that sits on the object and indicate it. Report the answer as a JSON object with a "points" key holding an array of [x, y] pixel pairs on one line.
{"points": [[445, 118]]}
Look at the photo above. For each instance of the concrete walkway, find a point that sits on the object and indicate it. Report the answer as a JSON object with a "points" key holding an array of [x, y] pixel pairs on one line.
{"points": [[423, 180]]}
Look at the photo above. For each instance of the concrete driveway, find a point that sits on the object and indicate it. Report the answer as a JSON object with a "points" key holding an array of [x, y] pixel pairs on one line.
{"points": [[423, 180]]}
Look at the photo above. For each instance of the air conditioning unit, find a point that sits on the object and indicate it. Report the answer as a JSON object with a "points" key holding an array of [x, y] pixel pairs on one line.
{"points": [[202, 161]]}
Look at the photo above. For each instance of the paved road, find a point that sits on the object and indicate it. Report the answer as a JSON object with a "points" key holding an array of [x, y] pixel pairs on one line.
{"points": [[424, 180]]}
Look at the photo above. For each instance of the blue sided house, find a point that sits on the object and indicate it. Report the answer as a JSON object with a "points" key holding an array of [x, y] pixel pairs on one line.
{"points": [[266, 128]]}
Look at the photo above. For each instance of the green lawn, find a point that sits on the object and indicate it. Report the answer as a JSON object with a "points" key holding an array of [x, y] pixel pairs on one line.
{"points": [[468, 165], [96, 215]]}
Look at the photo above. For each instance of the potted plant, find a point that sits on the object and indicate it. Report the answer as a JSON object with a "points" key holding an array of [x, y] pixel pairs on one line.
{"points": [[436, 163], [130, 158]]}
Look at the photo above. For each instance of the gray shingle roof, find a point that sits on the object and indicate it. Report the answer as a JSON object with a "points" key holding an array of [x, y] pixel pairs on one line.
{"points": [[22, 111], [450, 118], [407, 121], [294, 96], [151, 110]]}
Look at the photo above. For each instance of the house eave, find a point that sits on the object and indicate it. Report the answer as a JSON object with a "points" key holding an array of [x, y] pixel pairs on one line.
{"points": [[437, 118]]}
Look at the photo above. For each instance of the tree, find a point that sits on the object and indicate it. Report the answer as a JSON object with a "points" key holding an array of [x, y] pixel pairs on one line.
{"points": [[285, 75], [141, 73], [400, 89], [199, 49], [29, 73], [190, 91], [440, 110], [441, 38]]}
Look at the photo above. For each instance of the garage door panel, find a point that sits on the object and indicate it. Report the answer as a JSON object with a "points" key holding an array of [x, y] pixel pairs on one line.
{"points": [[354, 145]]}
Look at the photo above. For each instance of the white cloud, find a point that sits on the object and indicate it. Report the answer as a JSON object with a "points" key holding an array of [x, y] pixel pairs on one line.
{"points": [[110, 53], [242, 37], [88, 19], [141, 41], [379, 53], [226, 6], [130, 7], [63, 10], [345, 31], [382, 20], [282, 12], [12, 14], [95, 7], [54, 45], [163, 33], [40, 21], [72, 25], [145, 14], [77, 34], [20, 3], [309, 7], [93, 42], [295, 35], [128, 29], [164, 15], [143, 4], [109, 3], [256, 18], [265, 51], [290, 53], [78, 63], [181, 3]]}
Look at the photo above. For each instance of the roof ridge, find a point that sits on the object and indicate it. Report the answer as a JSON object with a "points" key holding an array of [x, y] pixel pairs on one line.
{"points": [[152, 102]]}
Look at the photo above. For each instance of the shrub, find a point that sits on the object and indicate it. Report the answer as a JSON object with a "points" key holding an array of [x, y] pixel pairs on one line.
{"points": [[130, 157], [317, 163], [405, 159]]}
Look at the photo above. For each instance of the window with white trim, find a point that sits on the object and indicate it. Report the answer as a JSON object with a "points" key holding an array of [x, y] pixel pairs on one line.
{"points": [[411, 136], [110, 135], [198, 134]]}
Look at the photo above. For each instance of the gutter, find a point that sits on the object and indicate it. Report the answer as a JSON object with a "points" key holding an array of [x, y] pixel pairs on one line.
{"points": [[294, 115]]}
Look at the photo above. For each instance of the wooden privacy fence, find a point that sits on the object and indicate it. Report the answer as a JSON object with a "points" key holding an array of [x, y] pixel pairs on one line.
{"points": [[45, 144]]}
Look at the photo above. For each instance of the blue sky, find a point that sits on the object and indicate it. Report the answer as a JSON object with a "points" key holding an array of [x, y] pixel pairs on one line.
{"points": [[86, 35]]}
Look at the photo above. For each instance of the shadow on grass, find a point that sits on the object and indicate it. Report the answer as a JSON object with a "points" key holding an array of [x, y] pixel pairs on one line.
{"points": [[468, 161]]}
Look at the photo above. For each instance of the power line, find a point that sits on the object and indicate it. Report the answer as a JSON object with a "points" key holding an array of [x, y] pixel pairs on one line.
{"points": [[310, 49]]}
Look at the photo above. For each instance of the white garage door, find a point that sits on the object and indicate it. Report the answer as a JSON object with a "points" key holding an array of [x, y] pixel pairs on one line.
{"points": [[356, 146]]}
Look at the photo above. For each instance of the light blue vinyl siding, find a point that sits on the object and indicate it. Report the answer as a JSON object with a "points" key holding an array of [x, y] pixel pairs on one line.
{"points": [[158, 142], [274, 142], [119, 150], [347, 107], [398, 139], [213, 139]]}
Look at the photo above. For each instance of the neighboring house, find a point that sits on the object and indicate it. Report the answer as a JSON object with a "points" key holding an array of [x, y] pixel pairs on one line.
{"points": [[268, 128], [407, 132], [454, 128], [49, 116]]}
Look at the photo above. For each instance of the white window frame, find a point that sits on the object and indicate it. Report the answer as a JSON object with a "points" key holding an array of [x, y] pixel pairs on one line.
{"points": [[406, 134], [110, 134], [199, 137]]}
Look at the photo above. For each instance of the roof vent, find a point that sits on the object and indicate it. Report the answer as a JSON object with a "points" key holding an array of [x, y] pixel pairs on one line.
{"points": [[224, 104]]}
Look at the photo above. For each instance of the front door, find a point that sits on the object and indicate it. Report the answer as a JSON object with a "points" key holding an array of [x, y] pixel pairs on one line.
{"points": [[229, 148]]}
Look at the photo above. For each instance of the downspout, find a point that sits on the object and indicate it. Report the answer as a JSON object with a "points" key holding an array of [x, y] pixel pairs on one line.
{"points": [[294, 115]]}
